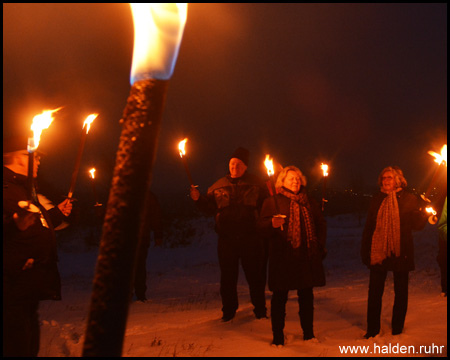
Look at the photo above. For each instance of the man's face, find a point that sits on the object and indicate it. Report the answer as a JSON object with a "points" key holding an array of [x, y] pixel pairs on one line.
{"points": [[237, 168]]}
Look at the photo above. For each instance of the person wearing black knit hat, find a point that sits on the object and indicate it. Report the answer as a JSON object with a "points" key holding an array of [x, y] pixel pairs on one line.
{"points": [[235, 200]]}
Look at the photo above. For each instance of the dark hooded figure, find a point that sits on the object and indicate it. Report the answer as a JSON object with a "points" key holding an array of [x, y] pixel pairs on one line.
{"points": [[387, 245], [296, 230], [235, 200], [30, 272]]}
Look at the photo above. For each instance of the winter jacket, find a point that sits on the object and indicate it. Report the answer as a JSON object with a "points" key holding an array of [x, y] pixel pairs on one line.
{"points": [[411, 218], [41, 281], [289, 268], [235, 203]]}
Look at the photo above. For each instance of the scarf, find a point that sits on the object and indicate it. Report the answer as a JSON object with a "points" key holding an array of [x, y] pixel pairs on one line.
{"points": [[299, 203], [386, 237]]}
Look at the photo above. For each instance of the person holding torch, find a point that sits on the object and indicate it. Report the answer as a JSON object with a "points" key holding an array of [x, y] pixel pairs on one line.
{"points": [[235, 200], [30, 272], [387, 245], [296, 250]]}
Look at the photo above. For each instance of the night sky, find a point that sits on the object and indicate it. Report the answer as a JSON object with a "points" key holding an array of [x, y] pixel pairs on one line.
{"points": [[357, 86]]}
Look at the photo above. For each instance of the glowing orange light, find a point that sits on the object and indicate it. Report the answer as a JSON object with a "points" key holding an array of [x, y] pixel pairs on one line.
{"points": [[181, 147], [158, 29], [268, 163], [40, 122], [430, 210], [92, 172], [441, 158], [89, 121], [324, 168]]}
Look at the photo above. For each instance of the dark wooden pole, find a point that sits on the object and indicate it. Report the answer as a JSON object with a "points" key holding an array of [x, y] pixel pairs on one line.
{"points": [[112, 287]]}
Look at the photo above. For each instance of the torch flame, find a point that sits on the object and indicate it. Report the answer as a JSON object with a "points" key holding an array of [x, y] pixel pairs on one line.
{"points": [[324, 168], [268, 163], [158, 29], [89, 121], [430, 210], [181, 146], [40, 122], [440, 158], [92, 172]]}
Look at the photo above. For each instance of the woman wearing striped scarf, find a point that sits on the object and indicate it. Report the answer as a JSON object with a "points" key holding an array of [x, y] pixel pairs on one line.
{"points": [[296, 250], [387, 245]]}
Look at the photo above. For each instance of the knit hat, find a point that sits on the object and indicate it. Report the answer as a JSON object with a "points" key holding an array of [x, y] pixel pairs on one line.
{"points": [[241, 154]]}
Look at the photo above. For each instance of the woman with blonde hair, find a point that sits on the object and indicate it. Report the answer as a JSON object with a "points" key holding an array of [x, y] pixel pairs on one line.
{"points": [[387, 245], [296, 230]]}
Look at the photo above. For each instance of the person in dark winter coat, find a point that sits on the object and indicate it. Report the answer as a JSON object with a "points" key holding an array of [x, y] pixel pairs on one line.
{"points": [[297, 236], [152, 223], [235, 200], [387, 245], [30, 272]]}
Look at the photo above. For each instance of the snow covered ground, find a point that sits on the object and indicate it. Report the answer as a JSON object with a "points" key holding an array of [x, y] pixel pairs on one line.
{"points": [[182, 316]]}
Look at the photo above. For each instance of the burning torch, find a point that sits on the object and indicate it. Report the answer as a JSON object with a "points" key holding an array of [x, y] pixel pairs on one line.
{"points": [[158, 32], [87, 124], [181, 148], [324, 168], [268, 163], [92, 176], [441, 159], [40, 122]]}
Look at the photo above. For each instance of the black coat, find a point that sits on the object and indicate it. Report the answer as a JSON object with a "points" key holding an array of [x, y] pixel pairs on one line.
{"points": [[289, 268], [411, 218], [235, 203], [42, 281]]}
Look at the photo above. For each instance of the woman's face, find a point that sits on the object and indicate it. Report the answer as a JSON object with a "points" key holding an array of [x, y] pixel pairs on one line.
{"points": [[388, 181], [292, 181]]}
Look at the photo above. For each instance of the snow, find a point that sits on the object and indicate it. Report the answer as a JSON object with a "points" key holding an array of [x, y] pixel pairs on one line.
{"points": [[182, 315]]}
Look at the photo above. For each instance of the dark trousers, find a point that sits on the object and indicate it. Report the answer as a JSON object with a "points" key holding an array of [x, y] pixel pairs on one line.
{"points": [[231, 250], [376, 289], [21, 333], [306, 311]]}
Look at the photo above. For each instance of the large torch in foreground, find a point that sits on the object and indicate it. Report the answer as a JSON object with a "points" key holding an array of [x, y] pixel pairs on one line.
{"points": [[158, 33]]}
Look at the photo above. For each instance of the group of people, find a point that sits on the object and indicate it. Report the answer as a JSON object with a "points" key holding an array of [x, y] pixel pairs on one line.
{"points": [[286, 234], [279, 239]]}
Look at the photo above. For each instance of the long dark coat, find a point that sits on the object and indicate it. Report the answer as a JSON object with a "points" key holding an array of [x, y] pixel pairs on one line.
{"points": [[42, 281], [411, 218], [289, 268]]}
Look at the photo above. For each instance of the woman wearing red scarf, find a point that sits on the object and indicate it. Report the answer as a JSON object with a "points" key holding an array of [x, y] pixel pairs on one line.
{"points": [[387, 245], [296, 249]]}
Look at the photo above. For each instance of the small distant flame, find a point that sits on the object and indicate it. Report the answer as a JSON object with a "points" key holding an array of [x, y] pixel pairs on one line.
{"points": [[441, 158], [181, 146], [92, 172], [268, 163], [40, 122], [89, 121], [324, 168], [430, 210]]}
